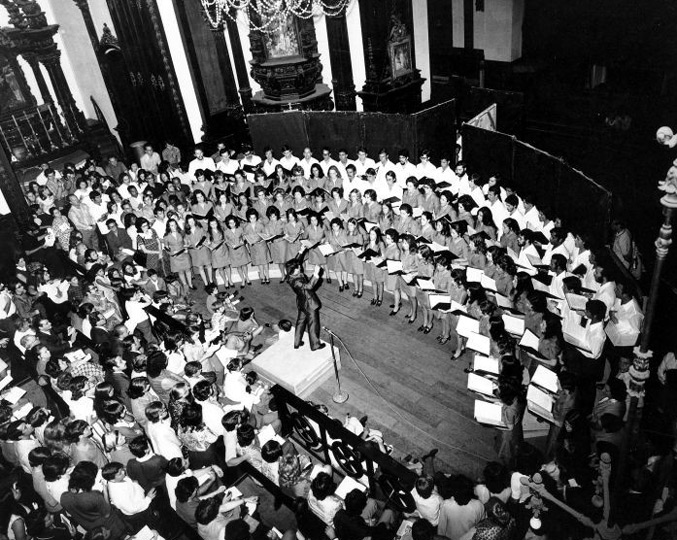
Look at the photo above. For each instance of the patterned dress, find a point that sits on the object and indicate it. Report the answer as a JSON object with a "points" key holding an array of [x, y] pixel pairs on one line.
{"points": [[152, 243]]}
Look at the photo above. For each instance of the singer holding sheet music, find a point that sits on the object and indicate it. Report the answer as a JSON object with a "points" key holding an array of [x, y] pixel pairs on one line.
{"points": [[307, 301]]}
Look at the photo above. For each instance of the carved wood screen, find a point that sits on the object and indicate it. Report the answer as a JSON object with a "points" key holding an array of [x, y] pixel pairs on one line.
{"points": [[154, 107]]}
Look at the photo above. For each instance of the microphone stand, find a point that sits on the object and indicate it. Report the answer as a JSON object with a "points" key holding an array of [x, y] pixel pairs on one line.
{"points": [[339, 396]]}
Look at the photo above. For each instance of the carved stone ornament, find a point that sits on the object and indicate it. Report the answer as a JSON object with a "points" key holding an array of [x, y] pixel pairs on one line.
{"points": [[108, 41]]}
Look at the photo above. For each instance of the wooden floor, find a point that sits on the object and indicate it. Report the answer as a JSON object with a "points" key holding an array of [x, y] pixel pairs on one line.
{"points": [[419, 398]]}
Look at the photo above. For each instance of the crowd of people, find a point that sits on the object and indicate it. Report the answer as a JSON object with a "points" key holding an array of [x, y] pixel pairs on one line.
{"points": [[151, 409]]}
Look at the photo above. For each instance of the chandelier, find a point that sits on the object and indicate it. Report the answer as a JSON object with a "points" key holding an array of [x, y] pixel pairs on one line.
{"points": [[271, 14]]}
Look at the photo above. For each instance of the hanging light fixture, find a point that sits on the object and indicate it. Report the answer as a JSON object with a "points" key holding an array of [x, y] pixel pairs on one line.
{"points": [[271, 13]]}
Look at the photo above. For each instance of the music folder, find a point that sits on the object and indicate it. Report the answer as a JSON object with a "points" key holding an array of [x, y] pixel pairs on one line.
{"points": [[546, 379], [467, 326], [490, 414], [481, 385], [394, 267], [486, 364], [479, 343], [540, 403], [513, 324]]}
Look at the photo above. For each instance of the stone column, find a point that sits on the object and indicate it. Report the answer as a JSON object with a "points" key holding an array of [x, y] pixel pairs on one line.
{"points": [[32, 60], [74, 118], [341, 64], [240, 65]]}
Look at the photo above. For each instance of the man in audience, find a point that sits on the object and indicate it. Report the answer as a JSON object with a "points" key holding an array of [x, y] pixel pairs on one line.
{"points": [[117, 240], [150, 160]]}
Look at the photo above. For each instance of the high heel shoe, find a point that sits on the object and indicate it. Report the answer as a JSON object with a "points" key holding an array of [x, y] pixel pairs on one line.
{"points": [[420, 328], [373, 301], [379, 302], [340, 288], [359, 294], [427, 329], [394, 312], [444, 340], [354, 294], [411, 321]]}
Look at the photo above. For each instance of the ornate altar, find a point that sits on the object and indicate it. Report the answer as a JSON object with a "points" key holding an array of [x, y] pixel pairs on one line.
{"points": [[286, 64], [393, 83]]}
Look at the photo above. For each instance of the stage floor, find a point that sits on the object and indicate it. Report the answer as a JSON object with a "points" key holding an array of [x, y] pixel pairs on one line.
{"points": [[423, 401]]}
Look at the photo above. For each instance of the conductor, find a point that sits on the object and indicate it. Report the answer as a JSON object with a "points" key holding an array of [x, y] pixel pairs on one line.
{"points": [[307, 302]]}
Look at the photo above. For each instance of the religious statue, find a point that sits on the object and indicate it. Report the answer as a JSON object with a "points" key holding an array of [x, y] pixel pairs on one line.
{"points": [[666, 137]]}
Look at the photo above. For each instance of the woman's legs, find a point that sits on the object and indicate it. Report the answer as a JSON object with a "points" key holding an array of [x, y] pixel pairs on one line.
{"points": [[398, 301], [203, 275], [242, 271], [210, 273]]}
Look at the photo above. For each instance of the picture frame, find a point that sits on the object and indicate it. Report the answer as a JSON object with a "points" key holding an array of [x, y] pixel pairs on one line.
{"points": [[401, 62]]}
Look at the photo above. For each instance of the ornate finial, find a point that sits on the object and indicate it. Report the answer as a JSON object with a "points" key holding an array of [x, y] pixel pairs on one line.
{"points": [[397, 28], [108, 40]]}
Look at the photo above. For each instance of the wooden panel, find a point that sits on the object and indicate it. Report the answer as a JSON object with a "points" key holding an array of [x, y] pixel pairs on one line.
{"points": [[206, 57]]}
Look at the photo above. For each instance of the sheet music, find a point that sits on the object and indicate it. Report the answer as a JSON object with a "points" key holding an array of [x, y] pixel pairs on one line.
{"points": [[439, 299], [427, 285], [546, 378], [481, 385], [503, 301], [576, 302], [437, 248], [514, 325], [467, 326], [487, 364], [488, 283], [473, 275], [479, 343], [347, 485], [394, 266], [529, 339], [540, 398], [488, 413], [326, 249]]}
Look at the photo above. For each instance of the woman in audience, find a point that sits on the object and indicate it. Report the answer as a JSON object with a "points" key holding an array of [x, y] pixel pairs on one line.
{"points": [[141, 394], [321, 498], [196, 437], [82, 447], [88, 507]]}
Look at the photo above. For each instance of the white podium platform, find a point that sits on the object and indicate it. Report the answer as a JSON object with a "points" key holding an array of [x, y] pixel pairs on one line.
{"points": [[298, 370]]}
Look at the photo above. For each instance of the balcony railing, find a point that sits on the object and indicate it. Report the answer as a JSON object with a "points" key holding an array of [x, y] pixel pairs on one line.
{"points": [[33, 134]]}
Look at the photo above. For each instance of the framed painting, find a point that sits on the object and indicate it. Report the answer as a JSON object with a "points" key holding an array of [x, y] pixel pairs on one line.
{"points": [[400, 57], [283, 41]]}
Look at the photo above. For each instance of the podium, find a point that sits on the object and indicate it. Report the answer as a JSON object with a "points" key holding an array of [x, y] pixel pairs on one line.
{"points": [[300, 370]]}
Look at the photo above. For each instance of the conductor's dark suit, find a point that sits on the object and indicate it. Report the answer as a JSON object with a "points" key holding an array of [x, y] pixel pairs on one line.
{"points": [[309, 306]]}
